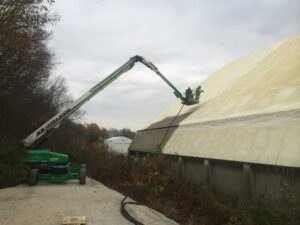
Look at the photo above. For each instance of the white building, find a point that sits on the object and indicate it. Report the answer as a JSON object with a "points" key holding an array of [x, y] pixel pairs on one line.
{"points": [[118, 144]]}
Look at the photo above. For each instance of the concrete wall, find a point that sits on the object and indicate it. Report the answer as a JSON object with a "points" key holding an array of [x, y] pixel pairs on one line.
{"points": [[235, 180]]}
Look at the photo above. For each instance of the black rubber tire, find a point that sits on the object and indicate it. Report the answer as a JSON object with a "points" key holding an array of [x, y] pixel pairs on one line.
{"points": [[82, 174], [33, 177]]}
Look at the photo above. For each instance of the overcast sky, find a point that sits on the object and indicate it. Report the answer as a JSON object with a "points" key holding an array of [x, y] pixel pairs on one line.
{"points": [[187, 40]]}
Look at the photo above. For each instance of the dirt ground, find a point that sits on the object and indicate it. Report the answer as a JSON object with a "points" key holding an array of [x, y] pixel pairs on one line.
{"points": [[47, 204]]}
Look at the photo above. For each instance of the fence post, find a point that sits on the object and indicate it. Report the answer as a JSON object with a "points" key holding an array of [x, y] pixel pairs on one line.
{"points": [[180, 169], [247, 181], [207, 172]]}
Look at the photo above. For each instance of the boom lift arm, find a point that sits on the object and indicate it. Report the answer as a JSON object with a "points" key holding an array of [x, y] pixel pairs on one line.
{"points": [[189, 99]]}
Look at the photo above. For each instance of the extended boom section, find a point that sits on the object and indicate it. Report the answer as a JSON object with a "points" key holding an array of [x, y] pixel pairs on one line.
{"points": [[190, 98]]}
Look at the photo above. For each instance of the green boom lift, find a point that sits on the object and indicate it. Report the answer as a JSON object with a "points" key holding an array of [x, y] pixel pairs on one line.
{"points": [[56, 167]]}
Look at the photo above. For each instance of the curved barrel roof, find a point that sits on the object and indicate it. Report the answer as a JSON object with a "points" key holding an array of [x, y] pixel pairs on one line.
{"points": [[249, 112]]}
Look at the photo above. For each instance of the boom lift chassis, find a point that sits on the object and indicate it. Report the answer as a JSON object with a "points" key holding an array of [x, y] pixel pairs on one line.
{"points": [[55, 167]]}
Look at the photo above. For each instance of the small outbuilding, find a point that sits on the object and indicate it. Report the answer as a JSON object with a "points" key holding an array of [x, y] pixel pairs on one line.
{"points": [[118, 144]]}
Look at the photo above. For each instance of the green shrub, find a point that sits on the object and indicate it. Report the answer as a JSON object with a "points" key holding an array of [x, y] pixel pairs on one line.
{"points": [[12, 170], [261, 214]]}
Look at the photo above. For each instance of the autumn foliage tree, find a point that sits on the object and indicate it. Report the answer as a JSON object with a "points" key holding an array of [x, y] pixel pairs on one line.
{"points": [[28, 94]]}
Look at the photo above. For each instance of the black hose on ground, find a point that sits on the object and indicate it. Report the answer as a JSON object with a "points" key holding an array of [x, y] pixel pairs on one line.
{"points": [[126, 214]]}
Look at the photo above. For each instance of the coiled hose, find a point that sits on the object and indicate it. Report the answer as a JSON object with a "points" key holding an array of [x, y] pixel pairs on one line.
{"points": [[126, 214]]}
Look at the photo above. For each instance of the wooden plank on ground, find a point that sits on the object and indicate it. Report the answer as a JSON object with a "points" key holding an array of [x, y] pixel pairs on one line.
{"points": [[74, 220]]}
